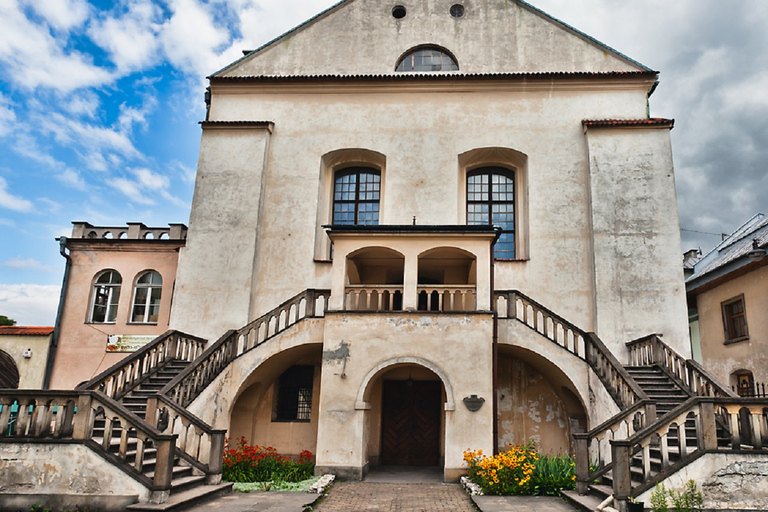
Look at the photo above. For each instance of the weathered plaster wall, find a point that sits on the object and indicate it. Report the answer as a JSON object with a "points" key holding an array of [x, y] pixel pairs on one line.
{"points": [[362, 37], [422, 135], [638, 277], [726, 482], [359, 348], [751, 354], [82, 347], [32, 370], [73, 470], [215, 277]]}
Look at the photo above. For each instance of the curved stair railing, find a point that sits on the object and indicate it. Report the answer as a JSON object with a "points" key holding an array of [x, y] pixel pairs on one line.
{"points": [[587, 346], [93, 419], [188, 385]]}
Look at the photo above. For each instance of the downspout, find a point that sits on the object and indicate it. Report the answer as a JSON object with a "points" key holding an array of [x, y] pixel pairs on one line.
{"points": [[495, 349], [57, 326]]}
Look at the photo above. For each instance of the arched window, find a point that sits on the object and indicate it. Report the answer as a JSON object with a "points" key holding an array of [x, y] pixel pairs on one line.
{"points": [[146, 298], [427, 59], [356, 192], [106, 294], [294, 394], [9, 373], [491, 201]]}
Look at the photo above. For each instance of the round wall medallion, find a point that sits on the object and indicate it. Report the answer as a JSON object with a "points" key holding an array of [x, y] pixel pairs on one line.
{"points": [[398, 12], [473, 403]]}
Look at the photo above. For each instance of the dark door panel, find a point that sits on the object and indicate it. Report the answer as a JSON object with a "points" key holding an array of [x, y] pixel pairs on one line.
{"points": [[410, 423]]}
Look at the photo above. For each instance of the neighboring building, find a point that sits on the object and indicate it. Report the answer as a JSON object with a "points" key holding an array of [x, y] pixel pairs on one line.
{"points": [[117, 295], [728, 292], [23, 356]]}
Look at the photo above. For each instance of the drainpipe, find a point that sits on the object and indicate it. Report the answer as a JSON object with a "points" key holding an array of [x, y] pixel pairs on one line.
{"points": [[57, 326], [495, 355]]}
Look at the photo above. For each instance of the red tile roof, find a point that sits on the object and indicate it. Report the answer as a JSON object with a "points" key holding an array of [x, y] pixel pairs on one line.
{"points": [[13, 330], [602, 123]]}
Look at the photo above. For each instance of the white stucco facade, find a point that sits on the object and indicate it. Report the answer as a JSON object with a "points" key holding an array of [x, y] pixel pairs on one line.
{"points": [[595, 225]]}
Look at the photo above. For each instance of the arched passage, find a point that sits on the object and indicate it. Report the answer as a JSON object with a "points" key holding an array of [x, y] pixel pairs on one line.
{"points": [[537, 401], [404, 401], [277, 404], [9, 373]]}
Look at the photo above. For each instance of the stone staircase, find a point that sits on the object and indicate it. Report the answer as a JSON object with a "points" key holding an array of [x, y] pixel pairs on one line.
{"points": [[665, 392], [188, 487]]}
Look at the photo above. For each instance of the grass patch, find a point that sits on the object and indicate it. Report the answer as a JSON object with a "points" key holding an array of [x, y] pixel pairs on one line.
{"points": [[302, 486]]}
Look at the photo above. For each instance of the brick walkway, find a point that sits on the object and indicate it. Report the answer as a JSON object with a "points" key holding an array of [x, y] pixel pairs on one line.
{"points": [[360, 496]]}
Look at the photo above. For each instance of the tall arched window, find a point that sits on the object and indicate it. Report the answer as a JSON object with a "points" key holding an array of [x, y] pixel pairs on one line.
{"points": [[356, 193], [427, 59], [106, 294], [146, 298], [491, 201]]}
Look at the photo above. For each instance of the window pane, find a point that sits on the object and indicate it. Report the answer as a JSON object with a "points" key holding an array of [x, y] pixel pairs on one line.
{"points": [[356, 197], [490, 200], [427, 59]]}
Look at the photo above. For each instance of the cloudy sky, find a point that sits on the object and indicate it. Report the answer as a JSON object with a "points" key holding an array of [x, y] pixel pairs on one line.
{"points": [[100, 99]]}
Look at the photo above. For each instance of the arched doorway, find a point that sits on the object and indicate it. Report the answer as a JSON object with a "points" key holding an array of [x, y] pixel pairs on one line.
{"points": [[9, 373], [408, 400]]}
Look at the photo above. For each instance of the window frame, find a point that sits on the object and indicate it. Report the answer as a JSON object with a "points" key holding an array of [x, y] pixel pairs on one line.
{"points": [[147, 302], [490, 171], [411, 53], [298, 389], [734, 332], [357, 202], [112, 297]]}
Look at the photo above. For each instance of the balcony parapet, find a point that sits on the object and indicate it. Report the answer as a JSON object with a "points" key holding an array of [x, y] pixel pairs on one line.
{"points": [[131, 231]]}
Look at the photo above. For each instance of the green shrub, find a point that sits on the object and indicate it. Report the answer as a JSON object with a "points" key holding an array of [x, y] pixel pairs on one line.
{"points": [[253, 463]]}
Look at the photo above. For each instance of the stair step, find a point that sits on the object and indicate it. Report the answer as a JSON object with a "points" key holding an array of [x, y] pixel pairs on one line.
{"points": [[186, 482], [586, 503], [185, 499], [179, 473]]}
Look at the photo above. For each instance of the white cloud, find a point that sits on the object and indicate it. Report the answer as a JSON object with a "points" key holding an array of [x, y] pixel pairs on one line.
{"points": [[61, 14], [30, 304], [12, 202], [29, 263], [35, 58], [131, 39], [72, 132], [7, 116], [145, 183]]}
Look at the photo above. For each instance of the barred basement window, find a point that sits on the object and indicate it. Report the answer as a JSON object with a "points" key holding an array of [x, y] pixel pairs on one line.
{"points": [[294, 394]]}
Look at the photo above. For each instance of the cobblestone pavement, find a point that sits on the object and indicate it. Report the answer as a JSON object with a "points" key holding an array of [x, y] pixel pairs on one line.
{"points": [[395, 497]]}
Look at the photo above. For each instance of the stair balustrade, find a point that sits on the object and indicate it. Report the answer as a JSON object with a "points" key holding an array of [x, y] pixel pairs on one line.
{"points": [[651, 350], [188, 385], [93, 419], [690, 431], [198, 444], [134, 369]]}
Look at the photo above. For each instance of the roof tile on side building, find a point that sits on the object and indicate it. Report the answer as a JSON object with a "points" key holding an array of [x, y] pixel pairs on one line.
{"points": [[13, 330]]}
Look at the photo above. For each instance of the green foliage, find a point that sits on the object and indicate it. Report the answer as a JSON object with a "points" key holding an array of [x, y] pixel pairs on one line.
{"points": [[659, 499], [521, 471], [4, 320], [689, 500], [252, 463], [33, 508]]}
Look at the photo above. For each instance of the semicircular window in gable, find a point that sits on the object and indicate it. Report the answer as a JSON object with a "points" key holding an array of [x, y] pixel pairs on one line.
{"points": [[427, 59]]}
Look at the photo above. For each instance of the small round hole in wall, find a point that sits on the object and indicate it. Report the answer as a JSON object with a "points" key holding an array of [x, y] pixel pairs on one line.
{"points": [[398, 12], [457, 10]]}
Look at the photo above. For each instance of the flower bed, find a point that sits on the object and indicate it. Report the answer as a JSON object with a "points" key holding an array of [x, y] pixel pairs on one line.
{"points": [[252, 463], [520, 471]]}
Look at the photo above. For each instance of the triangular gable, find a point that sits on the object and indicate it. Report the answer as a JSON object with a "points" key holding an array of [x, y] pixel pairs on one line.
{"points": [[361, 37]]}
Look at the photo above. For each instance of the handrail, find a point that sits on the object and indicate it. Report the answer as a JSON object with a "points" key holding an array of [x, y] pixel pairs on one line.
{"points": [[746, 422], [198, 443], [73, 416], [134, 369], [186, 386], [651, 350], [587, 346]]}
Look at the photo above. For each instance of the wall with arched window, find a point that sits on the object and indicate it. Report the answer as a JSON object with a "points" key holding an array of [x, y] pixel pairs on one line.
{"points": [[105, 297], [352, 187], [147, 293], [427, 58], [493, 191]]}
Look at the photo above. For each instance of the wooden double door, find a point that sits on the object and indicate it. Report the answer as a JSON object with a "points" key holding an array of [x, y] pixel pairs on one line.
{"points": [[410, 423]]}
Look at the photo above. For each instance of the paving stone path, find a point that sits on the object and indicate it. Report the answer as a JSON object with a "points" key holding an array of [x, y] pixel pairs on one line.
{"points": [[395, 497]]}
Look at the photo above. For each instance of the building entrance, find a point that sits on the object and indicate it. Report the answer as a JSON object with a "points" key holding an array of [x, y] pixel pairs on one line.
{"points": [[410, 423]]}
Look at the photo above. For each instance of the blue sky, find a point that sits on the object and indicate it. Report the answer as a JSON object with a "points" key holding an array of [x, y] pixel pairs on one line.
{"points": [[100, 100]]}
